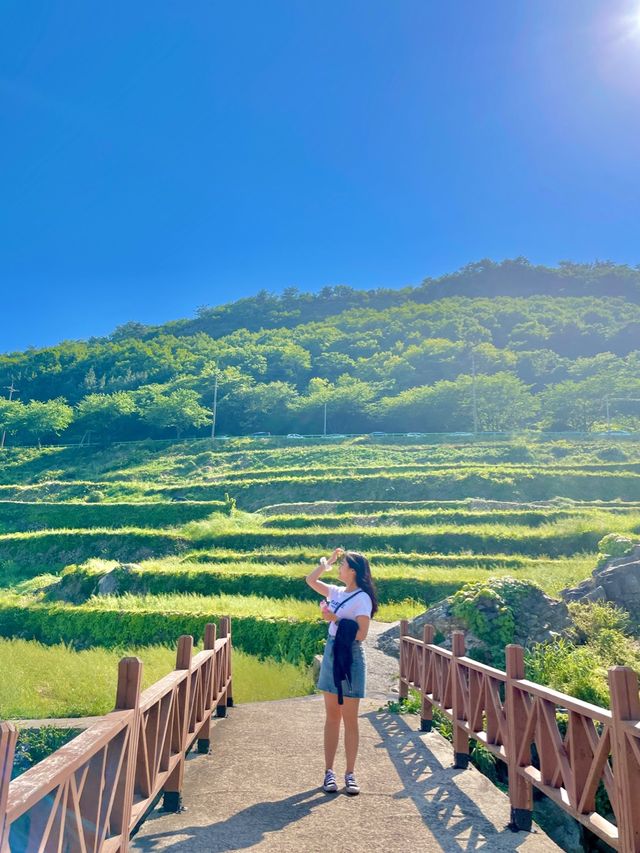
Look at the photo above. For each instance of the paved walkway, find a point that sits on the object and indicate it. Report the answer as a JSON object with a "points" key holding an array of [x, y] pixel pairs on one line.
{"points": [[260, 789]]}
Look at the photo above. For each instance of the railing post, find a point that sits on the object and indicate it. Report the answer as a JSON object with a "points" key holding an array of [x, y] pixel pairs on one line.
{"points": [[403, 688], [625, 707], [460, 737], [426, 714], [204, 735], [172, 799], [8, 738], [520, 789], [128, 699], [226, 622], [225, 631]]}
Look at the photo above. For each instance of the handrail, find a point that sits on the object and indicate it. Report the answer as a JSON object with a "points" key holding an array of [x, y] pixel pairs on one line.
{"points": [[510, 714], [91, 794]]}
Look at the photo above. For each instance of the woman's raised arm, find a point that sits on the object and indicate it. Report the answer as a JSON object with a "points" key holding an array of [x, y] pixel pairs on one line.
{"points": [[313, 577]]}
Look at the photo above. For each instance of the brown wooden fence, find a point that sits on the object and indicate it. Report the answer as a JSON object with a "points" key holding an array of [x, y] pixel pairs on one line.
{"points": [[90, 794], [560, 745]]}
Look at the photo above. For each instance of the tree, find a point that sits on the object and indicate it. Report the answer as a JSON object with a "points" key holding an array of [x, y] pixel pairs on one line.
{"points": [[503, 403], [9, 416], [580, 405], [347, 403], [178, 410], [39, 419], [103, 412], [263, 406]]}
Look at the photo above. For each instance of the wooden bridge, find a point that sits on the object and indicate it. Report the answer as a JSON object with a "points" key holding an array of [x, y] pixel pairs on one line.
{"points": [[259, 784]]}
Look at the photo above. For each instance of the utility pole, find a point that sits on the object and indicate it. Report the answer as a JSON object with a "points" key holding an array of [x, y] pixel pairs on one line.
{"points": [[325, 420], [473, 392], [10, 389], [215, 408]]}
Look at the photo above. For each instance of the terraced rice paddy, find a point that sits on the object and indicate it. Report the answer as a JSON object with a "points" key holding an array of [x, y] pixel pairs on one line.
{"points": [[185, 534]]}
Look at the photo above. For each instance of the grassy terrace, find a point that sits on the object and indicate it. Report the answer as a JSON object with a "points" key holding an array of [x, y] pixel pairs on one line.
{"points": [[565, 534], [423, 513], [455, 483], [280, 576]]}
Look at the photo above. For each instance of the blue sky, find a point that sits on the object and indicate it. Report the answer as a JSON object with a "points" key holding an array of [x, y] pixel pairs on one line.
{"points": [[157, 156]]}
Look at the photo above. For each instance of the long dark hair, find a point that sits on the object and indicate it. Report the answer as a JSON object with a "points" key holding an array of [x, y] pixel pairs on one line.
{"points": [[360, 565]]}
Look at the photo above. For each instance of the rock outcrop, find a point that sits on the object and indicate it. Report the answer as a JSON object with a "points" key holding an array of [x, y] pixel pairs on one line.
{"points": [[111, 583], [537, 619], [617, 581]]}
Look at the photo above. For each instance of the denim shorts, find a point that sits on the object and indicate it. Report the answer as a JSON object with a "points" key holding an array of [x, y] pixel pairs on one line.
{"points": [[352, 690]]}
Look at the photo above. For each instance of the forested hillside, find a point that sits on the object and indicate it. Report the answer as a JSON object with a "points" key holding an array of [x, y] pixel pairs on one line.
{"points": [[546, 347]]}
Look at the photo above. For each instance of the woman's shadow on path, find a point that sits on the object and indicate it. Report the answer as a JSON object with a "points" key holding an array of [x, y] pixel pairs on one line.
{"points": [[243, 829]]}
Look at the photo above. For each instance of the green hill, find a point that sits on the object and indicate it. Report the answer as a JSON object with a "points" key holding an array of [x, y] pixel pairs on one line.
{"points": [[492, 347]]}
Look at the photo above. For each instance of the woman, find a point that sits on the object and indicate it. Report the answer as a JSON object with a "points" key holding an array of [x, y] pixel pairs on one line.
{"points": [[357, 601]]}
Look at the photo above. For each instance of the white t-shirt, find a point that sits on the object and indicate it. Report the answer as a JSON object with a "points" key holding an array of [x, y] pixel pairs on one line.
{"points": [[357, 605]]}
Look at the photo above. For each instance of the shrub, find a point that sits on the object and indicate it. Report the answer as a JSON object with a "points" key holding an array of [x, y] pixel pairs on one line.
{"points": [[591, 618], [615, 545], [35, 744], [578, 665], [87, 626], [490, 609], [575, 670]]}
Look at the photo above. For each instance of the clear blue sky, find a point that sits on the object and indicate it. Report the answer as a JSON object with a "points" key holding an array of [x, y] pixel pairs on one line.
{"points": [[157, 156]]}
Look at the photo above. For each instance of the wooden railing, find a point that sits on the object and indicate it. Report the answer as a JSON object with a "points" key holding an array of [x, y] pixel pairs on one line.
{"points": [[92, 793], [558, 744]]}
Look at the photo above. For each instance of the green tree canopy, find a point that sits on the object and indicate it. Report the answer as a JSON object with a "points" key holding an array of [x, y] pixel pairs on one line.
{"points": [[39, 419], [177, 410]]}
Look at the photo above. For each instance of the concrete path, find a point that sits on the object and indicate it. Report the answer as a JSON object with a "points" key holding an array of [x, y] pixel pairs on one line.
{"points": [[260, 789]]}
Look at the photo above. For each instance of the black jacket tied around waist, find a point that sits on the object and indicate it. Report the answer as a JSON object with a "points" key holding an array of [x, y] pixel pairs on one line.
{"points": [[343, 654]]}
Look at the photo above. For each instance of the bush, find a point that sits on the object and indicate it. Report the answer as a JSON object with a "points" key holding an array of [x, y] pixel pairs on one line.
{"points": [[490, 609], [35, 744], [615, 545], [578, 665], [592, 618], [575, 670], [87, 626]]}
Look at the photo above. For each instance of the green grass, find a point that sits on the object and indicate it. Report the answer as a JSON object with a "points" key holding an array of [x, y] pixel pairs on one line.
{"points": [[420, 509], [28, 553], [18, 516], [142, 621], [236, 606], [56, 681], [198, 459], [395, 581], [578, 479]]}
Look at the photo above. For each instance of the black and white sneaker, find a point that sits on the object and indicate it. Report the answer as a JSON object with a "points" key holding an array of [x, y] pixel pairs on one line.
{"points": [[350, 784], [330, 784]]}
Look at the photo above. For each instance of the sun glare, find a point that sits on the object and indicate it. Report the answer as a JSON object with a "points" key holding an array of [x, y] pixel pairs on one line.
{"points": [[634, 23]]}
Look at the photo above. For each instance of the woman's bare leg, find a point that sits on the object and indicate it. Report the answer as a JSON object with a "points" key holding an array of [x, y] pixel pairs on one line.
{"points": [[351, 733], [331, 728]]}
